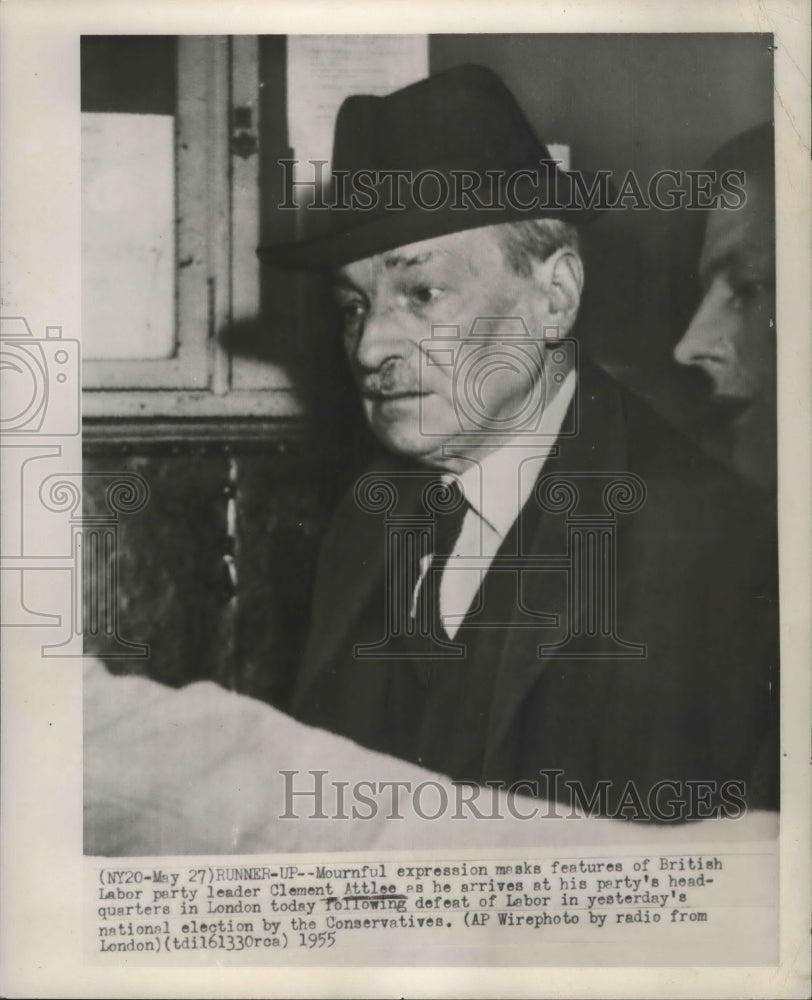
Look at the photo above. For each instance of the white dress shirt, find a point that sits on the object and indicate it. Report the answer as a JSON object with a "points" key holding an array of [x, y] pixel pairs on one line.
{"points": [[496, 488]]}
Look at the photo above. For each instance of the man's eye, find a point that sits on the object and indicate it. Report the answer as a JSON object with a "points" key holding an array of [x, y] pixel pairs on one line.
{"points": [[425, 295], [744, 292], [352, 311]]}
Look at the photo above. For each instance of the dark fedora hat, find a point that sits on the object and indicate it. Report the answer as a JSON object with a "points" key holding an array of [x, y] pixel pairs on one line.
{"points": [[451, 152]]}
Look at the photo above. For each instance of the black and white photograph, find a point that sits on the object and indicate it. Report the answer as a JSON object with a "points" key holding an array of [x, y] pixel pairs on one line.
{"points": [[416, 467], [481, 474]]}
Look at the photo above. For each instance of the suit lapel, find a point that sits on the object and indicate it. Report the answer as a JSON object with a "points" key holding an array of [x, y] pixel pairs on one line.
{"points": [[343, 587], [352, 566], [598, 446]]}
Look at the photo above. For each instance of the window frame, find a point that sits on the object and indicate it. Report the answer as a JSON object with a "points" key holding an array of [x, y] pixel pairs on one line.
{"points": [[216, 268]]}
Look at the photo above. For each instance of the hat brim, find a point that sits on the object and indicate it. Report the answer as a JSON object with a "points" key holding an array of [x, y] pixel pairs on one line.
{"points": [[401, 228]]}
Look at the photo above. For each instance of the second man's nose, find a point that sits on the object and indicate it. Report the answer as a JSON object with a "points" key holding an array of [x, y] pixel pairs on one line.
{"points": [[705, 334]]}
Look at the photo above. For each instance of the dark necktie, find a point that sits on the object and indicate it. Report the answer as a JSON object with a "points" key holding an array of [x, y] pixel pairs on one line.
{"points": [[449, 507]]}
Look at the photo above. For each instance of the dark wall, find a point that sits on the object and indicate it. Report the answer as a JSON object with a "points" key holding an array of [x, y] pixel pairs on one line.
{"points": [[129, 73], [641, 102]]}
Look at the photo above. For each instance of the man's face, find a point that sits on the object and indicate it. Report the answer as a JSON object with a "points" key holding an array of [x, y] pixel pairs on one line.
{"points": [[732, 334], [389, 305]]}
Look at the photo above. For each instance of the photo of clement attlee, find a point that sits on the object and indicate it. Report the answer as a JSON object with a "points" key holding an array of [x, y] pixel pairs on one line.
{"points": [[538, 584]]}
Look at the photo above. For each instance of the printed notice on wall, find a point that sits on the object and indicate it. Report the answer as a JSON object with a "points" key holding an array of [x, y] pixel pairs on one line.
{"points": [[325, 69]]}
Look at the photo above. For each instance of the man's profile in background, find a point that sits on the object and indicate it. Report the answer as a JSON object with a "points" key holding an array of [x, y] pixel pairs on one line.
{"points": [[732, 335]]}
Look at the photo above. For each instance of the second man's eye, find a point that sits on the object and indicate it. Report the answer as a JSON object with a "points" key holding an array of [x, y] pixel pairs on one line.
{"points": [[745, 290], [353, 310]]}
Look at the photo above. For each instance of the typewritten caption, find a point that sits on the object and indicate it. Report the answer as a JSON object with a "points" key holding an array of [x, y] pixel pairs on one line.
{"points": [[254, 912]]}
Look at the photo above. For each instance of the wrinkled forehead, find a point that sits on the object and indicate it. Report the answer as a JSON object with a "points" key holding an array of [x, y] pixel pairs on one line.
{"points": [[466, 252], [742, 237]]}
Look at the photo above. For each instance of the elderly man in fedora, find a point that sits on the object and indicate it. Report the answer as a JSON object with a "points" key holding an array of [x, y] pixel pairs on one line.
{"points": [[539, 582]]}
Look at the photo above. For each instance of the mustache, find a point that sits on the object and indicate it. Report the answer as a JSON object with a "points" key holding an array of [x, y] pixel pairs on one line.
{"points": [[391, 379]]}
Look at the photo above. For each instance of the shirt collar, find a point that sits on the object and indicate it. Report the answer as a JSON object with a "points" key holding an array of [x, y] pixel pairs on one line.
{"points": [[498, 485]]}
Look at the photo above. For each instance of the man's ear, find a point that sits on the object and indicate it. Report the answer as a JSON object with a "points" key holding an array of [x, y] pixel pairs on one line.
{"points": [[561, 279]]}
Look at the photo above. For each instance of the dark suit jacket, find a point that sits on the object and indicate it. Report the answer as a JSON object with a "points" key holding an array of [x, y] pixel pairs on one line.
{"points": [[695, 586]]}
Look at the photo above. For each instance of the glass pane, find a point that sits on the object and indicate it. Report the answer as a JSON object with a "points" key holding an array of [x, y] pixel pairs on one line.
{"points": [[128, 240], [129, 95]]}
